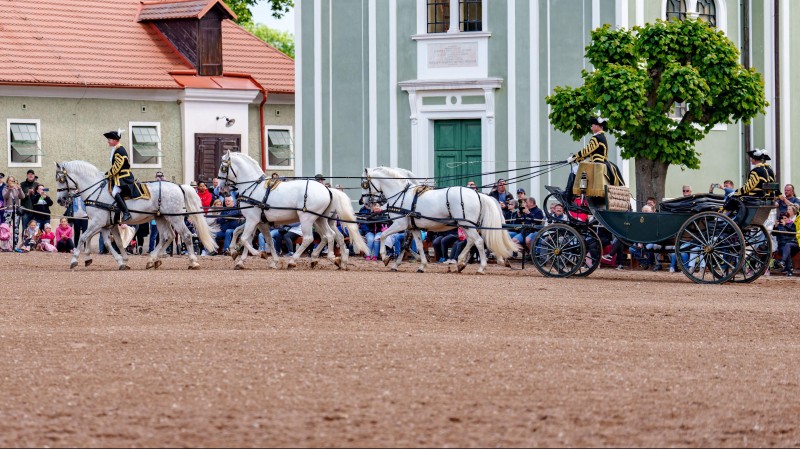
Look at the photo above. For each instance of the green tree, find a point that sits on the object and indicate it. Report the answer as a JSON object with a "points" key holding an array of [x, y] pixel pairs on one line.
{"points": [[282, 40], [639, 75], [242, 8]]}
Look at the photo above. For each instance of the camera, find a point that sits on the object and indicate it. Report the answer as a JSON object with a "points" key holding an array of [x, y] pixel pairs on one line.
{"points": [[46, 189], [521, 203]]}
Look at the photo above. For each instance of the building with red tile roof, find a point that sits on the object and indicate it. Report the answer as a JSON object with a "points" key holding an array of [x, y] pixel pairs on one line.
{"points": [[179, 70]]}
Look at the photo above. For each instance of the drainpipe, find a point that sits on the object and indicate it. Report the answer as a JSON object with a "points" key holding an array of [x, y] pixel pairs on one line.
{"points": [[748, 138], [777, 30]]}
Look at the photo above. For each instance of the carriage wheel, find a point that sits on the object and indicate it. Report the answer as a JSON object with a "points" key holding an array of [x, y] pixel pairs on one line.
{"points": [[709, 248], [558, 251], [594, 251], [757, 252]]}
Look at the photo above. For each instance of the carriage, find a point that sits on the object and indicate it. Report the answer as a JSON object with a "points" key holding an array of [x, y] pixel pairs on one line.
{"points": [[714, 241]]}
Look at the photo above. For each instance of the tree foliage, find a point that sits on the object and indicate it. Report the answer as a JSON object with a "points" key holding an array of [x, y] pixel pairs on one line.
{"points": [[638, 77], [242, 8], [282, 40]]}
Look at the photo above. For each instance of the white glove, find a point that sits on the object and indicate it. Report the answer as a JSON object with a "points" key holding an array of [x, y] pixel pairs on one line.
{"points": [[571, 158]]}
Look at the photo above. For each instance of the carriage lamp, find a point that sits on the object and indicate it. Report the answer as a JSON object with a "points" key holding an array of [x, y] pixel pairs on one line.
{"points": [[584, 183]]}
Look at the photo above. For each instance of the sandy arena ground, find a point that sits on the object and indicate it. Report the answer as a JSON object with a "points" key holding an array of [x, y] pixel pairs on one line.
{"points": [[261, 357]]}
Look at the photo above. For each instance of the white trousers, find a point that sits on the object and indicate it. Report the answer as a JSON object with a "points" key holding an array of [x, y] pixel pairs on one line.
{"points": [[115, 191]]}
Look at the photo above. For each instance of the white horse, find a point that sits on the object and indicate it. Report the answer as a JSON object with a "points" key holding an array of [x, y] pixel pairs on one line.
{"points": [[438, 210], [168, 204], [306, 201]]}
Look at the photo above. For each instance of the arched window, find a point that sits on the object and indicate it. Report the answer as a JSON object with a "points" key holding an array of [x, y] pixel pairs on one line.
{"points": [[706, 10]]}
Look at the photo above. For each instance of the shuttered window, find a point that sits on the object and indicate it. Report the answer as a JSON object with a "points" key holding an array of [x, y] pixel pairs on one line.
{"points": [[24, 144], [146, 144], [280, 154]]}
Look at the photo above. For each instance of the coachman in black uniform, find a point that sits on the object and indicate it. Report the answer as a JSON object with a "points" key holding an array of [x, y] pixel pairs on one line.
{"points": [[596, 151], [119, 175], [760, 174]]}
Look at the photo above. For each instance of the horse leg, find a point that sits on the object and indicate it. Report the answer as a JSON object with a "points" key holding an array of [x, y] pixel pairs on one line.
{"points": [[398, 225], [422, 257], [268, 244], [399, 259], [165, 237], [112, 236], [84, 244], [247, 241], [475, 237], [326, 239], [307, 226], [341, 261], [186, 236]]}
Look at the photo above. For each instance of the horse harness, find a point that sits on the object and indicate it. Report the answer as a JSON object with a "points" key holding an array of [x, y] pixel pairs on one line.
{"points": [[270, 186]]}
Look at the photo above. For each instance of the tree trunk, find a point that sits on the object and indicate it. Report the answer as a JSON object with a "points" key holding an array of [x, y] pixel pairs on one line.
{"points": [[651, 179]]}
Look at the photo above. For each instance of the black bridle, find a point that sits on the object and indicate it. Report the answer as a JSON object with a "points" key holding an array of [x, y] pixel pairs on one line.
{"points": [[64, 178], [367, 184]]}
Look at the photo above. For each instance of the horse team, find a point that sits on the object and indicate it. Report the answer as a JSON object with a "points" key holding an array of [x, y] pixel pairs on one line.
{"points": [[411, 207]]}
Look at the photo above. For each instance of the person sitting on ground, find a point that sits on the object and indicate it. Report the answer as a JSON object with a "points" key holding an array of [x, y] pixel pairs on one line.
{"points": [[530, 216], [64, 233], [46, 240], [442, 244], [30, 237], [228, 221], [786, 234], [287, 234], [378, 221]]}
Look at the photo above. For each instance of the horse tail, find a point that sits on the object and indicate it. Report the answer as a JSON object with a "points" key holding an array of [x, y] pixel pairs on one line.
{"points": [[498, 240], [195, 207], [344, 208]]}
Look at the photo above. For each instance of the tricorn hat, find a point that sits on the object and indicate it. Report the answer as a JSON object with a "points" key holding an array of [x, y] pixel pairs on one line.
{"points": [[759, 154], [599, 122], [115, 135]]}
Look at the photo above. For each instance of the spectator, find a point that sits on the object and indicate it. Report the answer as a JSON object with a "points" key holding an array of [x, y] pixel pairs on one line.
{"points": [[12, 197], [319, 178], [29, 188], [228, 221], [651, 201], [46, 240], [521, 197], [215, 189], [788, 198], [379, 222], [206, 198], [286, 235], [727, 187], [76, 212], [2, 201], [530, 216], [30, 237], [274, 176], [500, 194], [442, 243], [41, 204], [471, 185], [786, 233], [558, 213], [687, 190], [510, 211], [64, 234], [458, 248]]}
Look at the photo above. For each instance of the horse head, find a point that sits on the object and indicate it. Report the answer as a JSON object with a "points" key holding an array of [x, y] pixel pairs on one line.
{"points": [[236, 168], [70, 176], [381, 183]]}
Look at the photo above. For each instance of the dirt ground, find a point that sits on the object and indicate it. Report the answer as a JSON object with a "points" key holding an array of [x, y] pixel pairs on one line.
{"points": [[99, 358]]}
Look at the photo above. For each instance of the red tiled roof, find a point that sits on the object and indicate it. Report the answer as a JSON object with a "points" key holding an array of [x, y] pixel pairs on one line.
{"points": [[99, 43], [179, 9]]}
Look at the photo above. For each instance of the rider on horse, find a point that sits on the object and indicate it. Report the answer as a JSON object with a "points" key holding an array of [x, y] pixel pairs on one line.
{"points": [[595, 151], [120, 174], [760, 174]]}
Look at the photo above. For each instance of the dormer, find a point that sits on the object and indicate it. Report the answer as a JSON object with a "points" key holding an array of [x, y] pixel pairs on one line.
{"points": [[193, 27]]}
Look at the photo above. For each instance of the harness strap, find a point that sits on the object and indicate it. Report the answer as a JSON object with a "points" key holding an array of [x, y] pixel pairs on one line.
{"points": [[447, 198], [413, 210], [305, 197]]}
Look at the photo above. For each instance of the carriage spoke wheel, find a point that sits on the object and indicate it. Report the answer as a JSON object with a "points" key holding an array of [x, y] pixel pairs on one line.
{"points": [[594, 251], [710, 248], [757, 252], [558, 251]]}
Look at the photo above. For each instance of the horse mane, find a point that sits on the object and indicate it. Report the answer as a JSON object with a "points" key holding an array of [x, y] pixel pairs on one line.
{"points": [[82, 168], [247, 158], [399, 173]]}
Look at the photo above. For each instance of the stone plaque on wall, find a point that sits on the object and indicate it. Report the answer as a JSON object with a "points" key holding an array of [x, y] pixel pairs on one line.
{"points": [[442, 56]]}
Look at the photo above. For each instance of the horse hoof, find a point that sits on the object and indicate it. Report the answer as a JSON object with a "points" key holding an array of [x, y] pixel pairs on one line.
{"points": [[338, 262], [480, 272], [508, 263], [234, 254], [291, 265], [157, 264], [394, 269], [461, 267], [264, 255], [314, 263], [194, 267], [87, 263], [73, 265], [386, 261], [420, 270], [124, 268], [149, 266], [274, 266]]}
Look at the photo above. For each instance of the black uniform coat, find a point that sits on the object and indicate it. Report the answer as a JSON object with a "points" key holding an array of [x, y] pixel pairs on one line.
{"points": [[597, 151]]}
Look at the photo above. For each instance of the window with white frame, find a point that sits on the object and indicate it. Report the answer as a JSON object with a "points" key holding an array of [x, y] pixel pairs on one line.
{"points": [[24, 143], [280, 148], [146, 145], [469, 16]]}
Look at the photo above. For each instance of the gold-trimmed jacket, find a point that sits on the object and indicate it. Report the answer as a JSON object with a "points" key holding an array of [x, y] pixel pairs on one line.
{"points": [[595, 151], [120, 172], [758, 176]]}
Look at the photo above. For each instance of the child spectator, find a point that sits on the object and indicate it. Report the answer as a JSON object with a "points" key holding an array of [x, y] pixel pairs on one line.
{"points": [[63, 238], [206, 198], [46, 240], [30, 237]]}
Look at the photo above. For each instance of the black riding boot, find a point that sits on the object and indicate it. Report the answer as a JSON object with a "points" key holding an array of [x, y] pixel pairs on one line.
{"points": [[570, 184], [126, 216]]}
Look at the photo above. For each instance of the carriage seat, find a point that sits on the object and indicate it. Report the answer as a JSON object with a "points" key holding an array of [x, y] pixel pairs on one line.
{"points": [[618, 198], [693, 204]]}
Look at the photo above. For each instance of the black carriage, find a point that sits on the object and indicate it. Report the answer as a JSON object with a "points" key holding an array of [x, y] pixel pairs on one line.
{"points": [[714, 240]]}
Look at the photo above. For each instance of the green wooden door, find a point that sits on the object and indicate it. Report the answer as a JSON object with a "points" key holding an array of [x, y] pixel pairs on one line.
{"points": [[457, 152]]}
